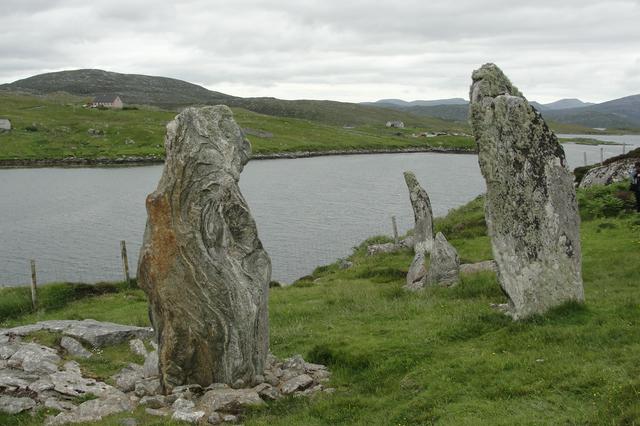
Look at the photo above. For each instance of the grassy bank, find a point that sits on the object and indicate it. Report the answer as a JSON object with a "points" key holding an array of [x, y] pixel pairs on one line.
{"points": [[443, 355], [55, 127]]}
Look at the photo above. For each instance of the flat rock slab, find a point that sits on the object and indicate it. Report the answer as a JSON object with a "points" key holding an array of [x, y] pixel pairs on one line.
{"points": [[12, 405], [229, 400], [96, 333], [91, 411], [472, 268]]}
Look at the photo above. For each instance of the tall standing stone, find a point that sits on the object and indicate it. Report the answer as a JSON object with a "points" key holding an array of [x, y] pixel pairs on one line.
{"points": [[201, 264], [423, 216], [531, 209]]}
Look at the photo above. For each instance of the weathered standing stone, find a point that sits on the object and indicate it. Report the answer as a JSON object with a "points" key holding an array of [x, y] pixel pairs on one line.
{"points": [[417, 272], [423, 216], [444, 268], [201, 264], [531, 209]]}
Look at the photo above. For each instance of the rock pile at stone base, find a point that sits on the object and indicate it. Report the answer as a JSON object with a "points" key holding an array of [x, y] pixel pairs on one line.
{"points": [[34, 376]]}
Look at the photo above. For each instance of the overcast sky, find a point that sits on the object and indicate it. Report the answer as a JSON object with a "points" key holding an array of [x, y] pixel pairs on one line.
{"points": [[349, 50]]}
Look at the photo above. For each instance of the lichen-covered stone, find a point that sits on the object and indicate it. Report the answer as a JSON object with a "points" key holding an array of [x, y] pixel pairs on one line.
{"points": [[417, 272], [202, 265], [423, 216], [444, 267], [531, 209], [616, 171]]}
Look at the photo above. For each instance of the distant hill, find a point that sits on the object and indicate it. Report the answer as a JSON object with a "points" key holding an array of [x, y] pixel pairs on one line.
{"points": [[387, 103], [623, 113], [169, 93], [566, 104], [132, 88]]}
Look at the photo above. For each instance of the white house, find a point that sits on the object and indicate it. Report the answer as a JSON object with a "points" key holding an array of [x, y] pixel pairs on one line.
{"points": [[395, 123], [5, 125], [107, 101]]}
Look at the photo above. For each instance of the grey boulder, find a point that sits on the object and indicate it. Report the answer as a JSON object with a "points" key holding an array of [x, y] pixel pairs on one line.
{"points": [[13, 405], [444, 268]]}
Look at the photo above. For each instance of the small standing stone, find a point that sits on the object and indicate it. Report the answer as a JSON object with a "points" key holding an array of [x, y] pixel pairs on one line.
{"points": [[422, 213], [444, 268]]}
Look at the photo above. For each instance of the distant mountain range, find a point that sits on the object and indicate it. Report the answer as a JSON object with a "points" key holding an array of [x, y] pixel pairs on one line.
{"points": [[623, 113], [171, 93]]}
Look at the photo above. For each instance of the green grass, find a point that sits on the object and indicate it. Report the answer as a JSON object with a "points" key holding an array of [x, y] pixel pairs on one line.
{"points": [[16, 301], [443, 356], [55, 127], [587, 141]]}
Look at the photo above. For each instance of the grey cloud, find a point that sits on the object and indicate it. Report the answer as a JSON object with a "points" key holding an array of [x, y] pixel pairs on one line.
{"points": [[346, 50]]}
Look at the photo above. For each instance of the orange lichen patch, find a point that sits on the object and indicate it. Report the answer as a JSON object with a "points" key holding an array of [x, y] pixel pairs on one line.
{"points": [[163, 248]]}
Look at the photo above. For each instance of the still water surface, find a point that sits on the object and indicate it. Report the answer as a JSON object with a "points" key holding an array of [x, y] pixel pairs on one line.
{"points": [[309, 211]]}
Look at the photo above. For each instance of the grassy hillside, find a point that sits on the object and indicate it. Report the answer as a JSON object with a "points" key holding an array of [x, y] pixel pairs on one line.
{"points": [[442, 356], [56, 126], [623, 113], [133, 88], [171, 93]]}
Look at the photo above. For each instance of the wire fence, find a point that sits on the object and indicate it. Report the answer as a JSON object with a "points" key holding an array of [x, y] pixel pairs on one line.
{"points": [[51, 268]]}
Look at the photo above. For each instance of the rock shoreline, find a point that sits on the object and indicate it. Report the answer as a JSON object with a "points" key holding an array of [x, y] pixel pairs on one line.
{"points": [[131, 161]]}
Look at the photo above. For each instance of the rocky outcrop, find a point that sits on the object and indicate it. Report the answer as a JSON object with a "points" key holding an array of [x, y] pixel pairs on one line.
{"points": [[609, 173], [531, 209], [444, 267], [423, 216], [201, 264]]}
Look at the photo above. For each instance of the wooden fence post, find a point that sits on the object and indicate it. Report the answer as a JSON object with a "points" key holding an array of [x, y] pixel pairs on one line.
{"points": [[624, 148], [584, 154], [601, 156], [395, 230], [34, 286], [125, 262]]}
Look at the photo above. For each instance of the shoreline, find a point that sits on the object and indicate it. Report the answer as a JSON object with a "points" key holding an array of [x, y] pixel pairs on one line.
{"points": [[133, 161]]}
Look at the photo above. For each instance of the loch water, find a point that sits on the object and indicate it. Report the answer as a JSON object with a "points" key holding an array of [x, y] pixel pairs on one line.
{"points": [[309, 211]]}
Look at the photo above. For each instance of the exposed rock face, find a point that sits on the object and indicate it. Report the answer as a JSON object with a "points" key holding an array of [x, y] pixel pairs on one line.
{"points": [[201, 264], [531, 209], [423, 228], [444, 268], [608, 174]]}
